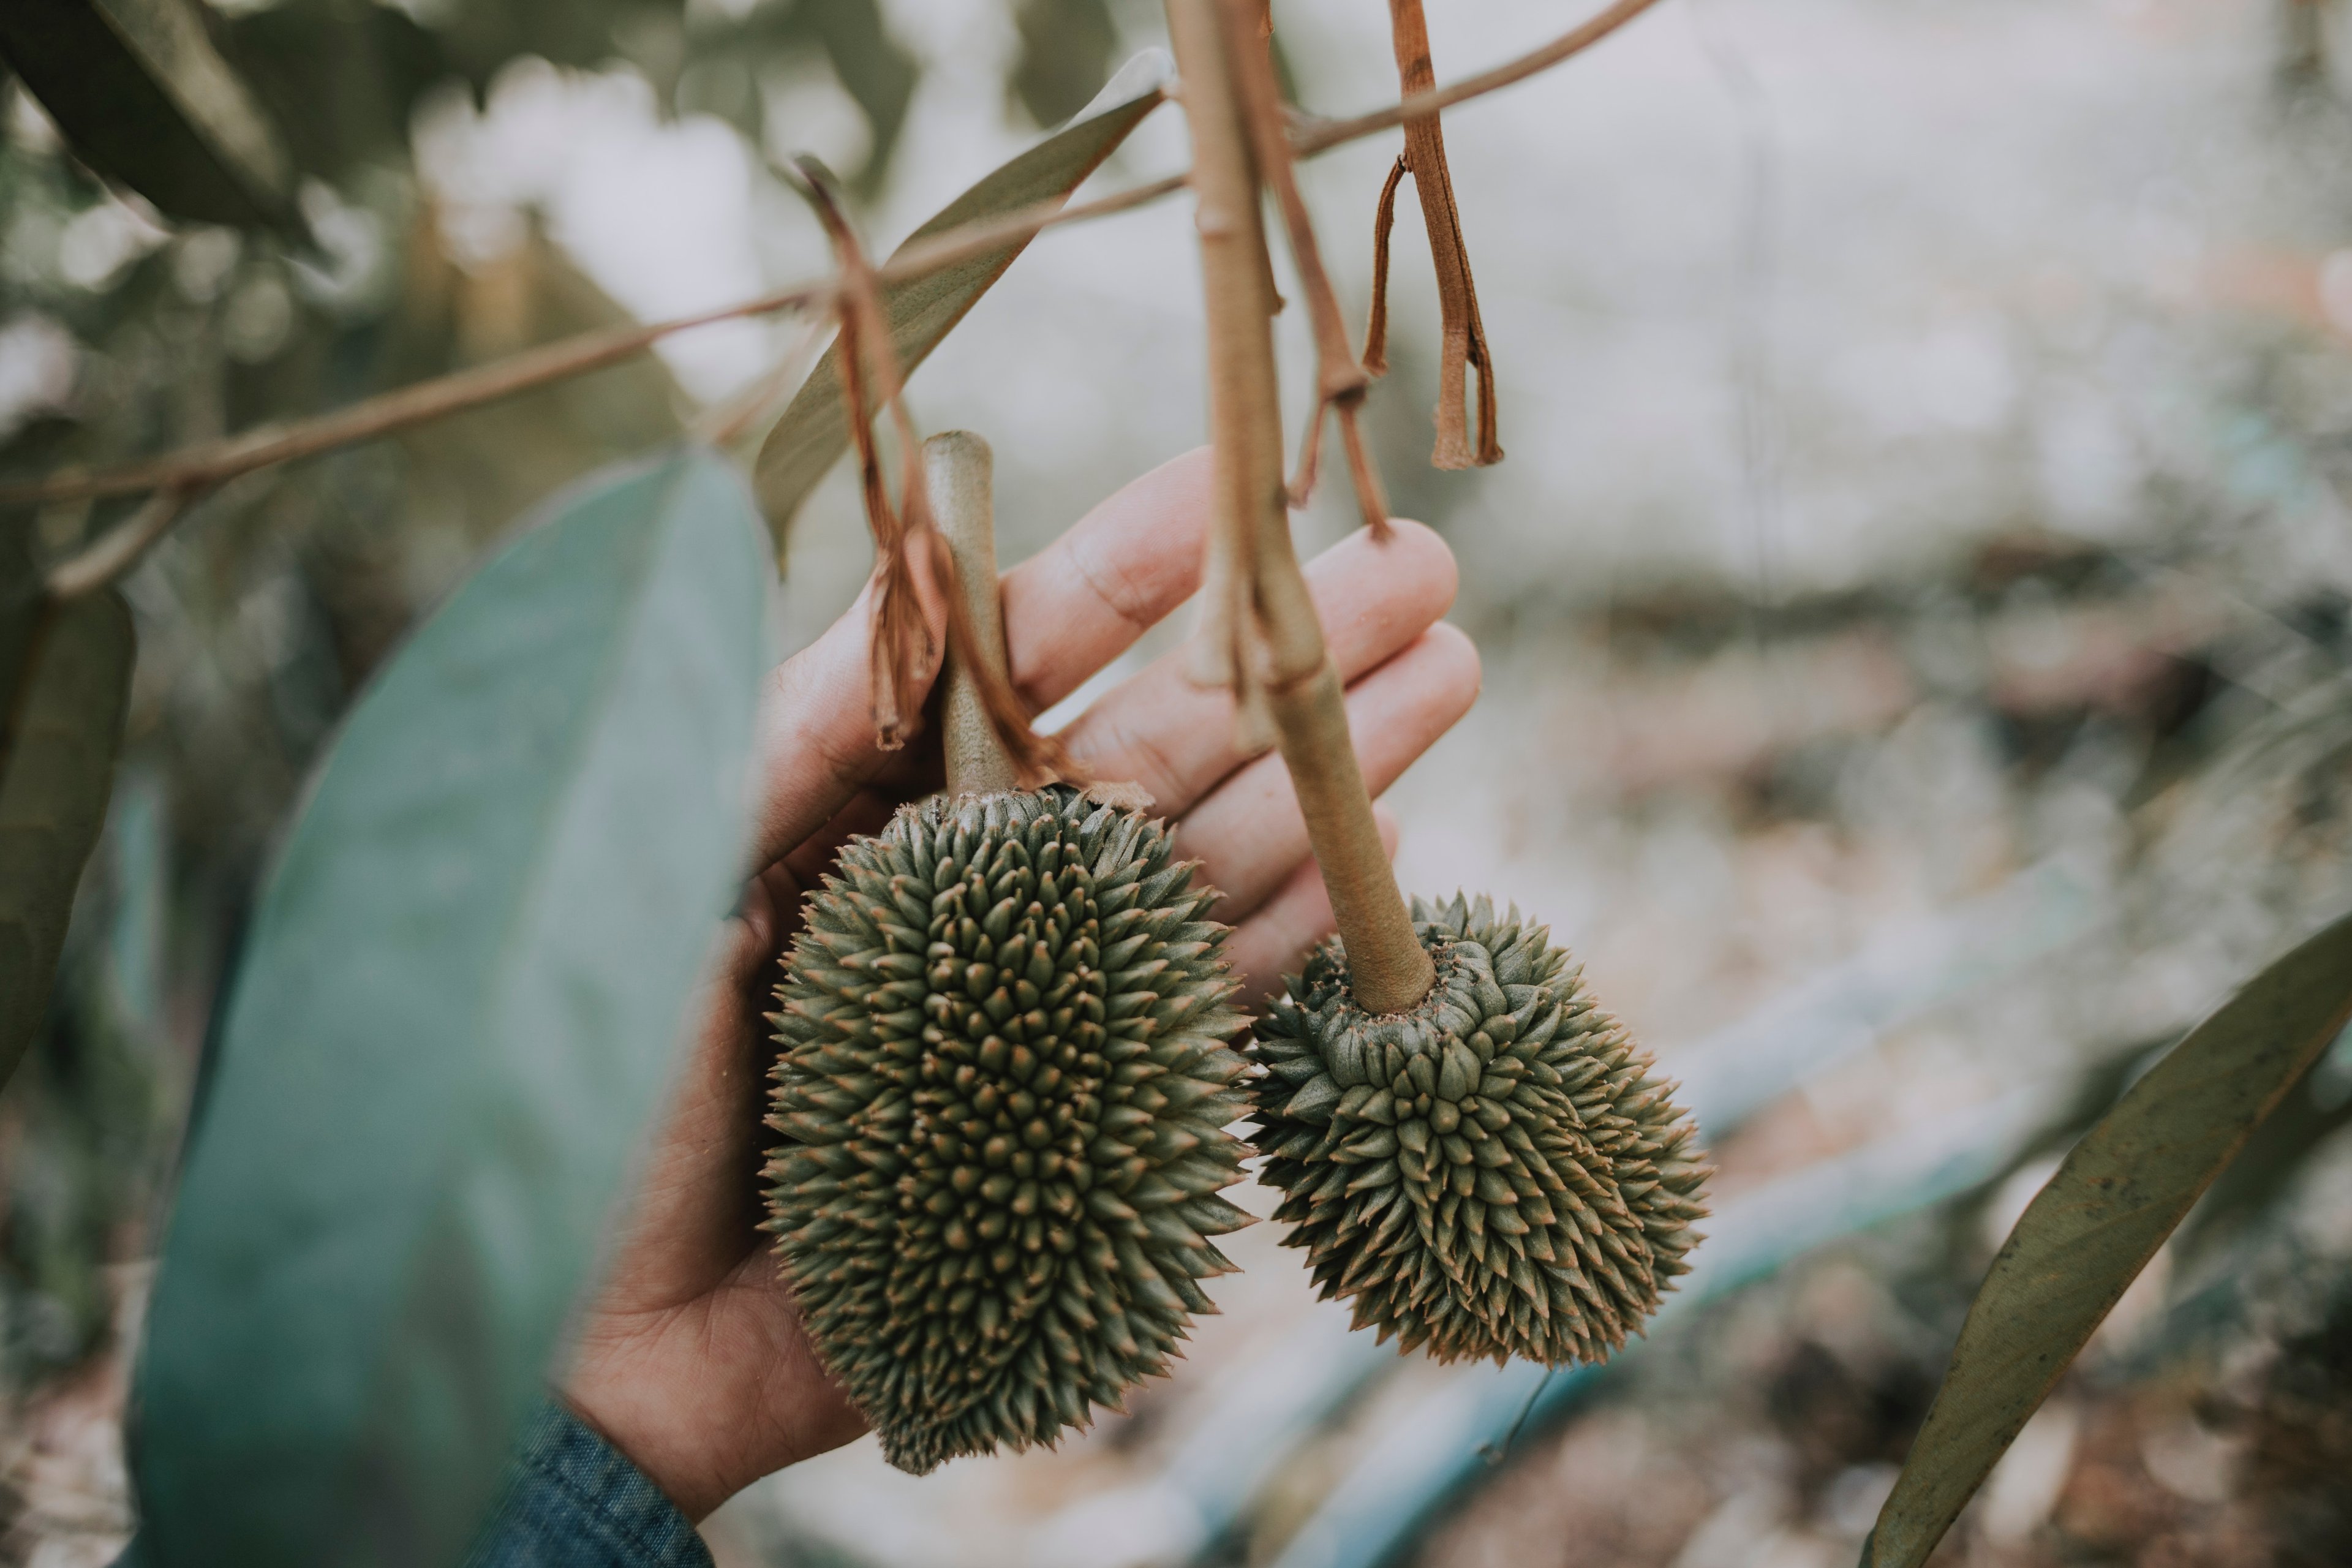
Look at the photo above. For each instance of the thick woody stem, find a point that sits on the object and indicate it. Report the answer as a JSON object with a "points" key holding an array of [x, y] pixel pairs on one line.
{"points": [[959, 469], [1279, 639]]}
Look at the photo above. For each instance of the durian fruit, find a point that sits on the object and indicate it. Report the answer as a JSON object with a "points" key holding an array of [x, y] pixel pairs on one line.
{"points": [[1495, 1172], [1003, 1092]]}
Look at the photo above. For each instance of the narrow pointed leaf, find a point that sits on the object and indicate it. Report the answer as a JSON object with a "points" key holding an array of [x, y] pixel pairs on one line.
{"points": [[57, 770], [2089, 1232], [454, 1016], [813, 434], [145, 98]]}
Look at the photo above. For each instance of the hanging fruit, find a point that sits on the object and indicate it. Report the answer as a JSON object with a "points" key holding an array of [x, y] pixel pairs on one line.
{"points": [[1006, 1071], [1471, 1152]]}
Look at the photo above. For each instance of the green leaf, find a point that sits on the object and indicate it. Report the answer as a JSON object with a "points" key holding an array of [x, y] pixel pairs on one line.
{"points": [[56, 769], [812, 433], [873, 68], [2089, 1231], [145, 98], [342, 79], [453, 1018], [1066, 55]]}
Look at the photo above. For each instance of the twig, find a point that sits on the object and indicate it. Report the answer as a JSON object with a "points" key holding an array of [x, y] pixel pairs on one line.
{"points": [[722, 425], [1493, 1453], [213, 463], [1323, 135], [1277, 637], [1465, 340], [1339, 382], [118, 550]]}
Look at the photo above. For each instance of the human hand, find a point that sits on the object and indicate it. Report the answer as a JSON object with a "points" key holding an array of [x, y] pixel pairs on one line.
{"points": [[690, 1358]]}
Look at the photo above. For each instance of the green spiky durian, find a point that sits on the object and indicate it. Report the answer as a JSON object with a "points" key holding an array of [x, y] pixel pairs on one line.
{"points": [[1002, 1093], [1495, 1171]]}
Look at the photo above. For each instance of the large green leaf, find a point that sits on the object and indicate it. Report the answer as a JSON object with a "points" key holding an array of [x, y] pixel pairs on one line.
{"points": [[812, 433], [56, 769], [145, 98], [2089, 1231], [454, 1016]]}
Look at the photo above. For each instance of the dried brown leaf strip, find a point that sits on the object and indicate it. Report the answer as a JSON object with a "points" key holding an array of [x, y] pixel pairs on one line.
{"points": [[1465, 345], [1340, 381], [902, 650]]}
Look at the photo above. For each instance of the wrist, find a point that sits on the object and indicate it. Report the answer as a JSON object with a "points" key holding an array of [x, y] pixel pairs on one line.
{"points": [[646, 1439]]}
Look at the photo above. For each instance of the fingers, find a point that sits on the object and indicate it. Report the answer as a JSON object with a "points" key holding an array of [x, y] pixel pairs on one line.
{"points": [[1080, 602], [1275, 941], [1248, 833], [1176, 740], [1068, 612]]}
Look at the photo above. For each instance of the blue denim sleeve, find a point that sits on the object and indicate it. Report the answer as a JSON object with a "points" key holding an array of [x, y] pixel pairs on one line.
{"points": [[576, 1503], [573, 1501]]}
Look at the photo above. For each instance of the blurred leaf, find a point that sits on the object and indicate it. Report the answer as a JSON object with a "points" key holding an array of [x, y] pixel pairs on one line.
{"points": [[57, 770], [1065, 53], [812, 433], [139, 91], [480, 38], [2089, 1231], [879, 74], [480, 469], [341, 77], [454, 1015], [2259, 1177]]}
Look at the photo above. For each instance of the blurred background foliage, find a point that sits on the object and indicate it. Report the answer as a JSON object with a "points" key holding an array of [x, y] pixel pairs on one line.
{"points": [[1929, 432]]}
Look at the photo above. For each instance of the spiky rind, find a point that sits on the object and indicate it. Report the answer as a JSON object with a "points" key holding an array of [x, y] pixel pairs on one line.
{"points": [[1003, 1092], [1494, 1173]]}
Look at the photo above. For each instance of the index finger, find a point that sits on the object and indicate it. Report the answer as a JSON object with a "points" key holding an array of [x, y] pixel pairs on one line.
{"points": [[1084, 599]]}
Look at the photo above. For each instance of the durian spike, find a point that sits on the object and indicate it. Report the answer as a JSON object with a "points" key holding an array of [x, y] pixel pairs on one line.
{"points": [[1499, 1171], [958, 472]]}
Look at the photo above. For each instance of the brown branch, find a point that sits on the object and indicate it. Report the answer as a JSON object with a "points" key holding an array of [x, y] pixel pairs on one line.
{"points": [[213, 463], [1323, 135], [1340, 381], [1465, 336], [722, 425], [1277, 636], [118, 550]]}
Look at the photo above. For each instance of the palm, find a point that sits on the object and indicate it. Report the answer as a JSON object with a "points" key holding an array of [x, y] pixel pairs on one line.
{"points": [[692, 1357]]}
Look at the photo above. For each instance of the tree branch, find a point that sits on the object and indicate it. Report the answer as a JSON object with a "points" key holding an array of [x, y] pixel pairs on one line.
{"points": [[1277, 641], [118, 550], [1323, 135], [211, 464]]}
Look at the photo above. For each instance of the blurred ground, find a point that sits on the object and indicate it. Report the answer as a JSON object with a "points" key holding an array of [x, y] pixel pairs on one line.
{"points": [[1927, 434]]}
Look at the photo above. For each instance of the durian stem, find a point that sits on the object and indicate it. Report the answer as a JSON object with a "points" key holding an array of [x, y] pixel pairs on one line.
{"points": [[958, 471], [1282, 643]]}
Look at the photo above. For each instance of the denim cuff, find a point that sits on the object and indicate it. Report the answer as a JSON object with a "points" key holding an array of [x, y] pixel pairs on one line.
{"points": [[577, 1502]]}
